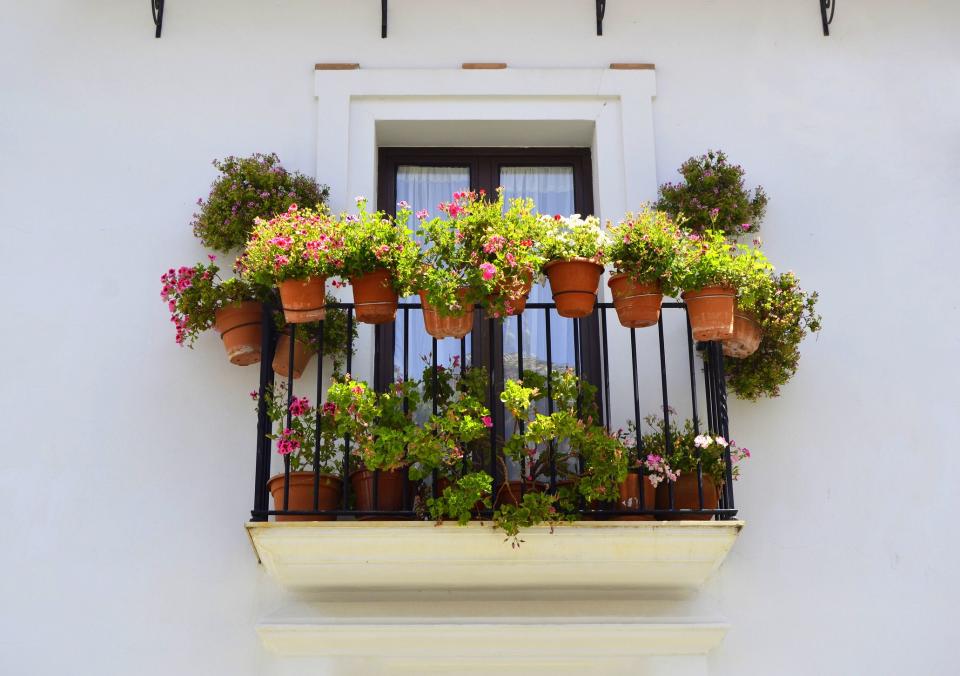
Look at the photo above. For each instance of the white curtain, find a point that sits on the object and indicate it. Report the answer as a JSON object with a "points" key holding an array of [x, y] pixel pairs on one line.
{"points": [[552, 190], [425, 188]]}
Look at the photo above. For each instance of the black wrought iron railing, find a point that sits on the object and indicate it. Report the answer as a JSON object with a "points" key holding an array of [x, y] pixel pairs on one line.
{"points": [[602, 350]]}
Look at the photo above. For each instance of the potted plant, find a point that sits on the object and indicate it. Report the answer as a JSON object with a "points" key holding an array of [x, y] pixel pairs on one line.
{"points": [[199, 300], [307, 341], [786, 314], [644, 250], [379, 250], [296, 250], [448, 283], [673, 467], [754, 285], [295, 434], [712, 196], [575, 251], [249, 188], [380, 428], [709, 275]]}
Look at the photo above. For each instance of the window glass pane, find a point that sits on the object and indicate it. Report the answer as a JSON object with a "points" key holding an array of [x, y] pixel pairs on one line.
{"points": [[425, 188]]}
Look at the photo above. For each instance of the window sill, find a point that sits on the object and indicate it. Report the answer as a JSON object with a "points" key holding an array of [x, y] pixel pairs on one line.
{"points": [[415, 555]]}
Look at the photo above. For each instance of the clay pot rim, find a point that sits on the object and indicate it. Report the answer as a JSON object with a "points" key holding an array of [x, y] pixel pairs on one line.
{"points": [[623, 275], [355, 472], [714, 289], [302, 473], [575, 259], [749, 316]]}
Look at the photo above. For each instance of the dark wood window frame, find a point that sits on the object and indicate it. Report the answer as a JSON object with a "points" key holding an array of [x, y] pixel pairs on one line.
{"points": [[485, 165]]}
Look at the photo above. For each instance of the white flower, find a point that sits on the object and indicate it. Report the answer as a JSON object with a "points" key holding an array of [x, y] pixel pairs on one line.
{"points": [[722, 441], [702, 441], [359, 199]]}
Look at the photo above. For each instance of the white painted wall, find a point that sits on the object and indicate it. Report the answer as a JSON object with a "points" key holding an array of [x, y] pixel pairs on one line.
{"points": [[127, 464]]}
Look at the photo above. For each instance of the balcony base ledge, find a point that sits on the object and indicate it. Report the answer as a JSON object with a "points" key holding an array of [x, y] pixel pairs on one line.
{"points": [[556, 641], [419, 555]]}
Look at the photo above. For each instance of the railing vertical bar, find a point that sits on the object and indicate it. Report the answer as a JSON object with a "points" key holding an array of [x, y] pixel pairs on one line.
{"points": [[668, 441], [435, 379], [720, 377], [553, 454], [636, 413], [405, 489], [463, 365], [346, 441], [523, 460], [292, 342], [316, 449], [491, 396], [606, 369], [693, 397], [262, 469]]}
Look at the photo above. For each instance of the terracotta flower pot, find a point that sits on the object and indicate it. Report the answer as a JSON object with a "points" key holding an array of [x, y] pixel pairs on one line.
{"points": [[304, 300], [454, 326], [300, 497], [302, 353], [629, 498], [745, 339], [574, 286], [389, 490], [519, 302], [239, 326], [374, 299], [637, 305], [686, 496], [711, 312]]}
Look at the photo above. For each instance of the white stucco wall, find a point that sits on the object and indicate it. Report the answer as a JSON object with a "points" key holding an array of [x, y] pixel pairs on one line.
{"points": [[127, 464]]}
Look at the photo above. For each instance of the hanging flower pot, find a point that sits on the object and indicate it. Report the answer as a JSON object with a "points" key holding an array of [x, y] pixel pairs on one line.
{"points": [[389, 490], [452, 326], [239, 325], [686, 495], [302, 353], [711, 312], [516, 303], [304, 300], [374, 297], [574, 285], [300, 495], [629, 498], [637, 305], [745, 339]]}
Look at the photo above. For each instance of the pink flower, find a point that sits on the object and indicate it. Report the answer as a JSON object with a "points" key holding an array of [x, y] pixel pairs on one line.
{"points": [[422, 214], [293, 207], [403, 204], [280, 261], [299, 406], [745, 226], [212, 258], [487, 421], [254, 395], [488, 270], [495, 243]]}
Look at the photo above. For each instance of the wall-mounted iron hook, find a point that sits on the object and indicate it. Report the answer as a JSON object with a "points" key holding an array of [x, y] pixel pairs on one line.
{"points": [[156, 7], [827, 8], [601, 10]]}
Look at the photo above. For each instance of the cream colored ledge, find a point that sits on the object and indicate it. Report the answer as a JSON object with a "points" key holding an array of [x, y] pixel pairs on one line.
{"points": [[469, 638], [416, 555]]}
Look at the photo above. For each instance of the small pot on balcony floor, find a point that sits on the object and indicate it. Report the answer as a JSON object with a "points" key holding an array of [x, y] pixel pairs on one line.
{"points": [[746, 336], [303, 300], [239, 326], [300, 496], [389, 491], [711, 312], [686, 496], [629, 499], [443, 483], [574, 284], [374, 299], [638, 305], [453, 326], [302, 354]]}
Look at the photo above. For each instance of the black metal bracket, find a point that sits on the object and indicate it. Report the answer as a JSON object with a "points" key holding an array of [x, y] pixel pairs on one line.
{"points": [[601, 10], [383, 18], [156, 7], [827, 8]]}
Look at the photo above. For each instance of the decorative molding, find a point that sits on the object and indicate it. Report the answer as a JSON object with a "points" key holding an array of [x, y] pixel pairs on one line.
{"points": [[417, 555]]}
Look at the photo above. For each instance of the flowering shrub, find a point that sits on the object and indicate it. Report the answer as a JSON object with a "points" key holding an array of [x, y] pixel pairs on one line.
{"points": [[249, 188], [686, 448], [786, 314], [712, 196], [194, 294], [500, 243], [297, 244], [376, 240], [647, 247], [708, 260], [459, 501], [298, 439], [573, 237]]}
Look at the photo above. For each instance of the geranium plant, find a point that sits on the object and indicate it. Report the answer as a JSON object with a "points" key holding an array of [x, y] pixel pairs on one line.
{"points": [[687, 448], [646, 246], [786, 314], [296, 244], [377, 241], [712, 196], [708, 260], [566, 238], [295, 432], [194, 295], [249, 188]]}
